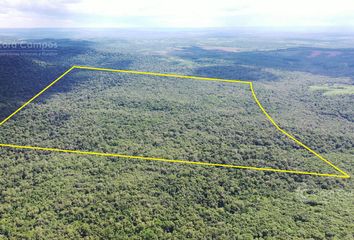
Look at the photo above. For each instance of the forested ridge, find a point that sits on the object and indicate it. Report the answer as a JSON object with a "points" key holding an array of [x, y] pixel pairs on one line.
{"points": [[46, 195]]}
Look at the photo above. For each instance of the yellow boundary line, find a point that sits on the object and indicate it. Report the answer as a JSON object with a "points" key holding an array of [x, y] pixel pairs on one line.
{"points": [[342, 175]]}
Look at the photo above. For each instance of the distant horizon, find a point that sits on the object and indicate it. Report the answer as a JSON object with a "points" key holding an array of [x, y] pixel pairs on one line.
{"points": [[257, 28], [176, 14]]}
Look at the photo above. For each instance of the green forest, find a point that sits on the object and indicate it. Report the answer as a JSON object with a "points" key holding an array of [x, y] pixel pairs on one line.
{"points": [[48, 195]]}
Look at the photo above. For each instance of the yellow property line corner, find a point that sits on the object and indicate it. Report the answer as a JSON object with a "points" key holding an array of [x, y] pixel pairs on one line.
{"points": [[341, 175]]}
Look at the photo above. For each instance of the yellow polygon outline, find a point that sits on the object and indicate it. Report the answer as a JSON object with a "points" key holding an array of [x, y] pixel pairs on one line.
{"points": [[342, 175]]}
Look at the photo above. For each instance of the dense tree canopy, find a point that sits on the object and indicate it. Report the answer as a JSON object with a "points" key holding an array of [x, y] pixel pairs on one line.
{"points": [[46, 195]]}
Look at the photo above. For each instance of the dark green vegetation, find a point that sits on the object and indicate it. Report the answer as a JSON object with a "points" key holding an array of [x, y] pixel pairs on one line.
{"points": [[159, 117], [54, 196], [332, 62]]}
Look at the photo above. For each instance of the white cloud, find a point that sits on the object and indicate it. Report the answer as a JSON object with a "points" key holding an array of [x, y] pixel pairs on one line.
{"points": [[178, 13]]}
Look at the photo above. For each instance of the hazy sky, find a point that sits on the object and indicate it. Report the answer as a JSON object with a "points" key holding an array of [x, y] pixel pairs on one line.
{"points": [[176, 13]]}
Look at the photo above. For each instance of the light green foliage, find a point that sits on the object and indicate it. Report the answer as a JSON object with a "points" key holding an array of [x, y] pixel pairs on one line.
{"points": [[335, 89]]}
